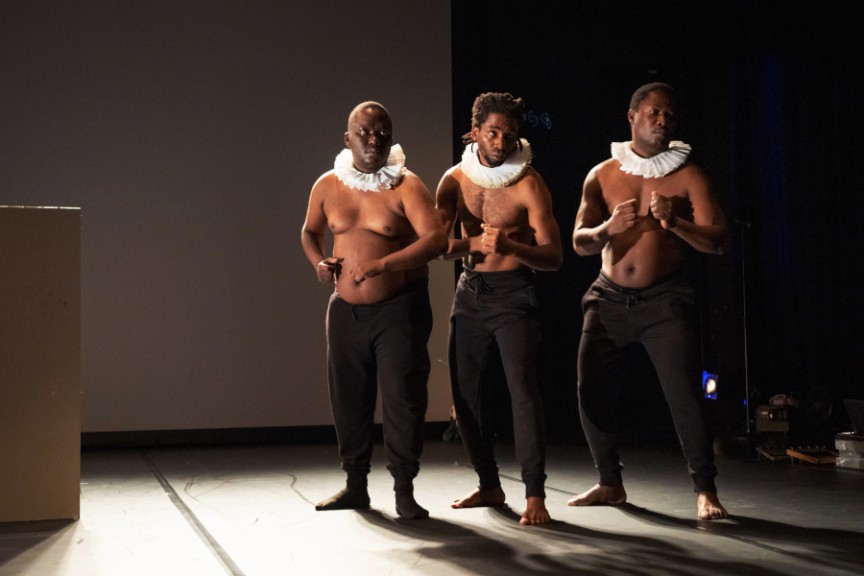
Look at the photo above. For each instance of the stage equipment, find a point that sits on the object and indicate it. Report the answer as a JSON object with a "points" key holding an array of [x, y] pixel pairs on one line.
{"points": [[709, 384]]}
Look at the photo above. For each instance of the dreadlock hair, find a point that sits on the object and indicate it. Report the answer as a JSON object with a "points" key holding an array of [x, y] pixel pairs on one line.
{"points": [[494, 103]]}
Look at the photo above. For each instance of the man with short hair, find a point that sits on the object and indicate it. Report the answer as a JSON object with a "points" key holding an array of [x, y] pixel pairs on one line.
{"points": [[507, 231], [640, 210], [385, 229]]}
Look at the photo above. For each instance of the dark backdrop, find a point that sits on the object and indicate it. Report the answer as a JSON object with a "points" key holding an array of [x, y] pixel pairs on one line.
{"points": [[770, 101]]}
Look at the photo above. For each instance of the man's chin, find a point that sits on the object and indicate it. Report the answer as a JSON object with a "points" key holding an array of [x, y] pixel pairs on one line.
{"points": [[493, 162], [370, 165]]}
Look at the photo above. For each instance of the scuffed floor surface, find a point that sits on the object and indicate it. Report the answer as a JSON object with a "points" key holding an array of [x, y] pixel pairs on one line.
{"points": [[249, 510]]}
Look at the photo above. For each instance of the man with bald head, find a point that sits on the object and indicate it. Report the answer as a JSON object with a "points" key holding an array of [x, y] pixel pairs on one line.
{"points": [[384, 230]]}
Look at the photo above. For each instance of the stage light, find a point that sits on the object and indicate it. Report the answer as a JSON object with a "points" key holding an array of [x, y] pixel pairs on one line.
{"points": [[709, 385]]}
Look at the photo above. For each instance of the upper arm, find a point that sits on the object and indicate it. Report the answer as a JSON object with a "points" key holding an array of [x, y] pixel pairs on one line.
{"points": [[540, 214], [591, 206], [706, 209], [420, 208], [316, 218], [445, 199]]}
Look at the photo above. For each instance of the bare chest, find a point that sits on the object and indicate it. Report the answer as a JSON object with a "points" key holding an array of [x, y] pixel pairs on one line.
{"points": [[377, 212], [620, 187], [494, 206]]}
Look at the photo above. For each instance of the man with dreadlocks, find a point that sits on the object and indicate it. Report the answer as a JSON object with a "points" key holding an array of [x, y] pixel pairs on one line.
{"points": [[507, 232]]}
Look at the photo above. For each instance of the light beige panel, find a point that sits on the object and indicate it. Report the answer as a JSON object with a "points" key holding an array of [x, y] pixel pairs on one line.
{"points": [[40, 363], [190, 134]]}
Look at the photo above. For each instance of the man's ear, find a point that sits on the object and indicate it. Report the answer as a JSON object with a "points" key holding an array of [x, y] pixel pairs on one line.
{"points": [[346, 140]]}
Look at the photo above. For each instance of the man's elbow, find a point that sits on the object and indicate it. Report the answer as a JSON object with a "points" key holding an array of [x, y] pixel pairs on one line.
{"points": [[439, 244], [720, 248], [582, 248], [551, 262], [558, 261], [721, 245], [583, 244]]}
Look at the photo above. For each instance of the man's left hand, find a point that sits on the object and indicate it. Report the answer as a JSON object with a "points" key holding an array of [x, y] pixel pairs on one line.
{"points": [[661, 209], [364, 269], [497, 240]]}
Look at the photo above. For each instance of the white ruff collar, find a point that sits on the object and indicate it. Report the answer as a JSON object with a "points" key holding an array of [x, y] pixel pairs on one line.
{"points": [[388, 176], [500, 176], [656, 166]]}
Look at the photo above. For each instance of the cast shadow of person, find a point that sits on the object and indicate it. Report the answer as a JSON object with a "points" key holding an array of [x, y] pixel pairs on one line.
{"points": [[830, 547], [555, 548]]}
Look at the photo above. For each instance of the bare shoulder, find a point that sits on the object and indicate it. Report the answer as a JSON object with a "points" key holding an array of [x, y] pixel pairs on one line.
{"points": [[608, 167], [454, 171], [599, 178], [532, 175], [532, 181], [325, 182], [451, 181], [454, 176], [412, 184], [692, 170], [691, 179]]}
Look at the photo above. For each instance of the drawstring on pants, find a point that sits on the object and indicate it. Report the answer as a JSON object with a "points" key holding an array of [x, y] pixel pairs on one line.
{"points": [[477, 285]]}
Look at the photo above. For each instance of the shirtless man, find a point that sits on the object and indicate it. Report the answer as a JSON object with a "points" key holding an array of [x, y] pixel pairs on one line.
{"points": [[639, 210], [508, 231], [385, 229]]}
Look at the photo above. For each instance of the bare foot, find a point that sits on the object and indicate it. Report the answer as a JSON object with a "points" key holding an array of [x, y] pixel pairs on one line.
{"points": [[600, 496], [708, 507], [480, 498], [535, 512]]}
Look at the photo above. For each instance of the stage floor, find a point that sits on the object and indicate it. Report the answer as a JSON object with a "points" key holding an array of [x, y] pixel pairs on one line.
{"points": [[203, 511]]}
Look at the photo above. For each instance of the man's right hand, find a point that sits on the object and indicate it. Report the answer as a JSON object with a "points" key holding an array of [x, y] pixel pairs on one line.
{"points": [[623, 217], [496, 240], [329, 269]]}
